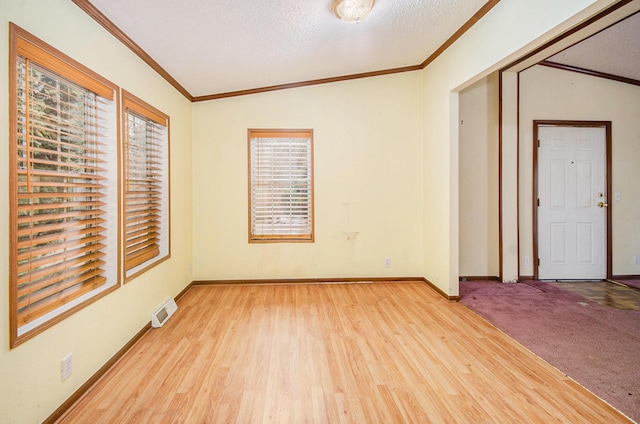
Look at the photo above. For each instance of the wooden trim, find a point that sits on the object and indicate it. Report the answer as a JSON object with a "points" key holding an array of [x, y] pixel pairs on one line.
{"points": [[281, 133], [183, 292], [129, 101], [464, 28], [13, 182], [440, 291], [297, 281], [354, 280], [479, 278], [25, 44], [518, 171], [17, 37], [522, 278], [305, 83], [624, 277], [460, 32], [534, 200], [456, 35], [82, 390], [136, 104], [568, 33], [590, 72], [157, 262], [106, 23], [35, 50], [500, 231], [608, 175]]}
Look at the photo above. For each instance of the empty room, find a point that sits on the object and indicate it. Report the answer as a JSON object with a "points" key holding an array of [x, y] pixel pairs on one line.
{"points": [[312, 210]]}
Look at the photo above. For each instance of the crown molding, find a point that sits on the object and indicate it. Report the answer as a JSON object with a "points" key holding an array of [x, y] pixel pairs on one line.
{"points": [[589, 72], [107, 24]]}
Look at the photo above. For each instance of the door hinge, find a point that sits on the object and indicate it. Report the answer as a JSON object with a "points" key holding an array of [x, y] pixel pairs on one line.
{"points": [[538, 261], [538, 201], [538, 143]]}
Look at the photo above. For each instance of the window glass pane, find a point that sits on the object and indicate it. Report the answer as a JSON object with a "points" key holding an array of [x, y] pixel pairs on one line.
{"points": [[281, 186], [65, 189], [146, 186]]}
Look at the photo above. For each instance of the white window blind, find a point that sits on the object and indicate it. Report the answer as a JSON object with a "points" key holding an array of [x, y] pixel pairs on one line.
{"points": [[281, 185]]}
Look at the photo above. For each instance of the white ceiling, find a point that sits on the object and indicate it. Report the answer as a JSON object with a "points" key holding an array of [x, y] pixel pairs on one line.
{"points": [[615, 50], [220, 46], [214, 47]]}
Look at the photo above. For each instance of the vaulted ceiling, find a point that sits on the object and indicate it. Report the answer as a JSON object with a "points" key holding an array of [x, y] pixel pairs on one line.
{"points": [[614, 50], [220, 47]]}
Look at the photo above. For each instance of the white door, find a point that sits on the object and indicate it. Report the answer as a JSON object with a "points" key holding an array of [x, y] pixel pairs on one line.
{"points": [[572, 203]]}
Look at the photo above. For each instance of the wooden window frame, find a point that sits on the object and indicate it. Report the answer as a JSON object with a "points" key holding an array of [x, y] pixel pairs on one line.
{"points": [[155, 236], [294, 237], [49, 259]]}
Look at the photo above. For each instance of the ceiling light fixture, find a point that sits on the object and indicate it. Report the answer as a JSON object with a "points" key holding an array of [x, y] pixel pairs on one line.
{"points": [[352, 10]]}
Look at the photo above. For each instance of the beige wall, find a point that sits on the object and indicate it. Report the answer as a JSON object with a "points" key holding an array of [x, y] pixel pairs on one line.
{"points": [[553, 94], [478, 170], [368, 173], [30, 384], [386, 171]]}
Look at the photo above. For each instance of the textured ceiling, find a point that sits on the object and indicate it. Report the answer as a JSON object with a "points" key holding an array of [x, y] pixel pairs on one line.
{"points": [[219, 46], [615, 50]]}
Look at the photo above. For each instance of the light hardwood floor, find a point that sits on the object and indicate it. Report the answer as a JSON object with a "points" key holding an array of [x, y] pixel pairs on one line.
{"points": [[332, 353]]}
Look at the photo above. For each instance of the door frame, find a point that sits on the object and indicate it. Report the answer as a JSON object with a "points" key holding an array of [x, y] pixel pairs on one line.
{"points": [[591, 124]]}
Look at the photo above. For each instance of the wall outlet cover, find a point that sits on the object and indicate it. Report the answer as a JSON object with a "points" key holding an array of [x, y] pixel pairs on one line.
{"points": [[67, 366]]}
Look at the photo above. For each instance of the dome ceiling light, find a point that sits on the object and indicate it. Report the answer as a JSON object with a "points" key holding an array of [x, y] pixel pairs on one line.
{"points": [[352, 11]]}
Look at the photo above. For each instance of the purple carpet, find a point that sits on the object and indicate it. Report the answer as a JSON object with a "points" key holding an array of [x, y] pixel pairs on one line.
{"points": [[597, 346]]}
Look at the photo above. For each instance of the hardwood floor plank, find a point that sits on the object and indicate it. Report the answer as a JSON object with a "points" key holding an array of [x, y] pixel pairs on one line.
{"points": [[331, 353]]}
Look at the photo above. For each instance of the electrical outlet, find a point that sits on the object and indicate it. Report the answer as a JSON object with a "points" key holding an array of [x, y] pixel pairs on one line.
{"points": [[527, 261], [636, 260], [67, 366], [387, 262]]}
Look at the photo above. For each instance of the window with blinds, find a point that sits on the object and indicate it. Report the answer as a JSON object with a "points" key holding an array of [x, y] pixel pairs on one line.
{"points": [[281, 185], [146, 188], [62, 138]]}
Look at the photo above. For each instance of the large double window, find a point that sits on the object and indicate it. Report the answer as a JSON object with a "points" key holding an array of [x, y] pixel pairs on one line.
{"points": [[281, 185], [64, 194], [66, 218]]}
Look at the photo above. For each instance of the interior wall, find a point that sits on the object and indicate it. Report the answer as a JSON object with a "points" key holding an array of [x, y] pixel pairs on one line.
{"points": [[31, 387], [367, 169], [478, 190], [547, 93], [373, 199], [506, 33]]}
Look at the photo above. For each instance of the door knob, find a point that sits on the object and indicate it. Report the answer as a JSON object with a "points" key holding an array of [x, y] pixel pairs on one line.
{"points": [[602, 204]]}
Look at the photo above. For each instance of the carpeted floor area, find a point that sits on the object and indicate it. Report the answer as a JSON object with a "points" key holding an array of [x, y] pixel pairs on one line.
{"points": [[596, 345]]}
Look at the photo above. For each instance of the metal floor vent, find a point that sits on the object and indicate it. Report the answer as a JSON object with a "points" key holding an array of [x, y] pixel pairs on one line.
{"points": [[163, 313]]}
